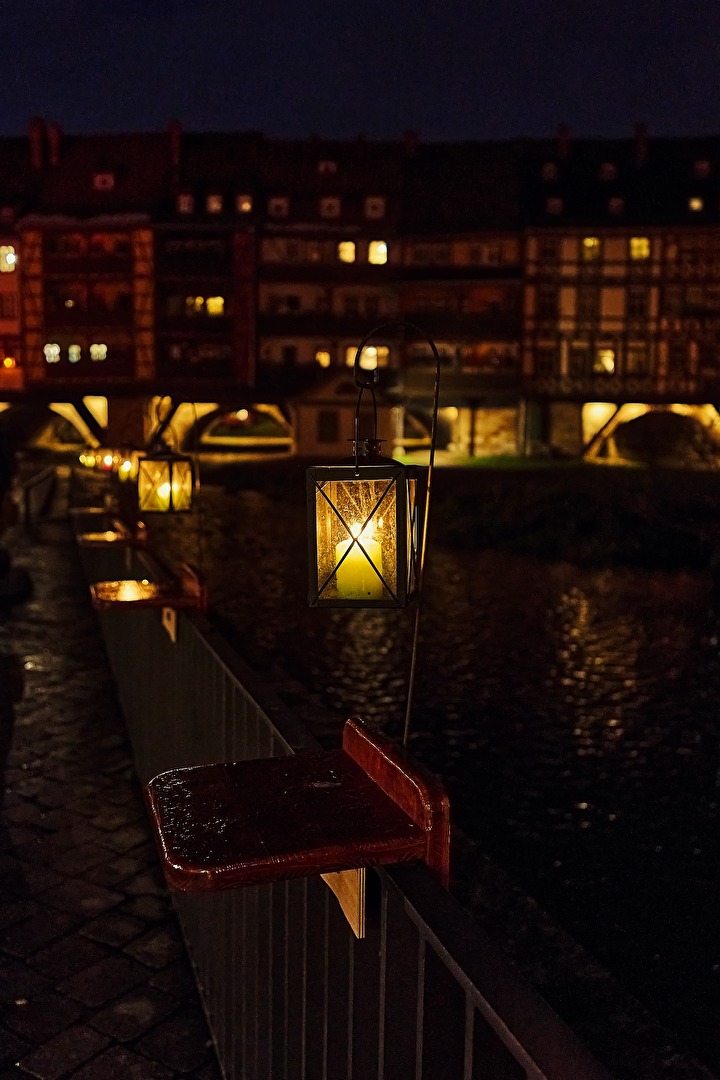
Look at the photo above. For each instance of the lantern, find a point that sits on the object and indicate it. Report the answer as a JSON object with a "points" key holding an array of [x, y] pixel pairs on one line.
{"points": [[165, 482], [363, 532]]}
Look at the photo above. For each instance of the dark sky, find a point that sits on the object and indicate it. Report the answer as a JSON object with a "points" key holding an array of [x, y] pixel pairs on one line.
{"points": [[448, 69]]}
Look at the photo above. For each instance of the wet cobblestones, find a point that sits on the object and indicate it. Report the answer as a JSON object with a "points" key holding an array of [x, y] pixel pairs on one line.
{"points": [[94, 980]]}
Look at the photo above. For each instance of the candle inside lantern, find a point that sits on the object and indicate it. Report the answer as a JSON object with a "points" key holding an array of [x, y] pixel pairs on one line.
{"points": [[356, 578]]}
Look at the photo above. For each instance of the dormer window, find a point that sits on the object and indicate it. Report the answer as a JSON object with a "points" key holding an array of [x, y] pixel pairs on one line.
{"points": [[244, 204], [278, 206], [104, 181], [185, 203], [328, 168], [330, 207], [374, 207], [214, 204]]}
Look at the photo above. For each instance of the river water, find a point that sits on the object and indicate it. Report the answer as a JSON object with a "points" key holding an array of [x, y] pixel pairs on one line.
{"points": [[572, 712]]}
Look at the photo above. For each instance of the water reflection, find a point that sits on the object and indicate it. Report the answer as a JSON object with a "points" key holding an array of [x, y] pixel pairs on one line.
{"points": [[571, 712]]}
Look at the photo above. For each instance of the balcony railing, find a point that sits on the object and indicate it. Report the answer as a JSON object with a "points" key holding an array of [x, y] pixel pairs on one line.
{"points": [[288, 989]]}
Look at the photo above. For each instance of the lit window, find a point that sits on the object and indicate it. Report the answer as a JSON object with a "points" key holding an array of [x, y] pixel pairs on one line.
{"points": [[98, 352], [214, 204], [554, 206], [278, 206], [215, 305], [616, 205], [604, 362], [591, 248], [8, 259], [374, 207], [346, 251], [330, 207], [322, 357], [695, 204], [74, 353], [608, 171], [377, 252], [702, 168], [52, 353], [185, 204], [244, 204], [639, 247], [372, 356], [549, 171], [8, 362], [194, 304]]}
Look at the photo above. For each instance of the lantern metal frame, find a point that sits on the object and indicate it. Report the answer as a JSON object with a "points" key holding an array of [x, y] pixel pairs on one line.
{"points": [[172, 460], [389, 485], [403, 584], [158, 451]]}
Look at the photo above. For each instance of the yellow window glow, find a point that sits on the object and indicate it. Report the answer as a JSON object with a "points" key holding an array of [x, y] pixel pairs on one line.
{"points": [[244, 204], [591, 248], [215, 305], [322, 357], [9, 362], [8, 259], [639, 247], [695, 204], [194, 304], [372, 356], [74, 353], [98, 352], [377, 252], [346, 251], [605, 362]]}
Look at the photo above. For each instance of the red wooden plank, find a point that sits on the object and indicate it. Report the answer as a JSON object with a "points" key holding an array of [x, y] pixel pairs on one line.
{"points": [[225, 825]]}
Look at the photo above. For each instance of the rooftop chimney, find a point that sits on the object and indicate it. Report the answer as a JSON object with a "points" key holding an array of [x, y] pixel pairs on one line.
{"points": [[641, 143], [54, 134], [175, 135], [36, 135], [563, 141], [411, 141]]}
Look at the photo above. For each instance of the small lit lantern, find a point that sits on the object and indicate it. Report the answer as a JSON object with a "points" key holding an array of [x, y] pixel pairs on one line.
{"points": [[365, 537], [165, 482], [363, 532]]}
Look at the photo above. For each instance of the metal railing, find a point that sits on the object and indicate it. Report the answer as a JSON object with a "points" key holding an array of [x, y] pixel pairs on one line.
{"points": [[289, 991], [36, 494]]}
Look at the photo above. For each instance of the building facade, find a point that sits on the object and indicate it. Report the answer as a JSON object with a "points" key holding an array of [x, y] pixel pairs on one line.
{"points": [[547, 272]]}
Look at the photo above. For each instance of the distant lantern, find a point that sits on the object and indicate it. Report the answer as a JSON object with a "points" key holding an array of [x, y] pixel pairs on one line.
{"points": [[165, 482], [363, 534]]}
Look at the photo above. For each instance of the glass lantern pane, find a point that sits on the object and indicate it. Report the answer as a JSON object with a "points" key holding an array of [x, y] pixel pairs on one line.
{"points": [[356, 521], [182, 485], [165, 485]]}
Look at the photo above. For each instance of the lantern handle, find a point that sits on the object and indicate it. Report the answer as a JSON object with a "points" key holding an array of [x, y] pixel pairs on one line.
{"points": [[362, 380]]}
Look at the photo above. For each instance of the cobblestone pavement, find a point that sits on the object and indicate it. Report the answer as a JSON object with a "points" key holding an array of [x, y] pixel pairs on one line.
{"points": [[94, 980]]}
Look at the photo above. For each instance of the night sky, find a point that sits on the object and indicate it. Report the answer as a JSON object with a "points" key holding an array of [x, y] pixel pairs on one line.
{"points": [[448, 69]]}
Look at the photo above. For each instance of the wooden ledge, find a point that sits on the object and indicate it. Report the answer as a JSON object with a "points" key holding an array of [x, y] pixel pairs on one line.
{"points": [[118, 534], [226, 825], [188, 592]]}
